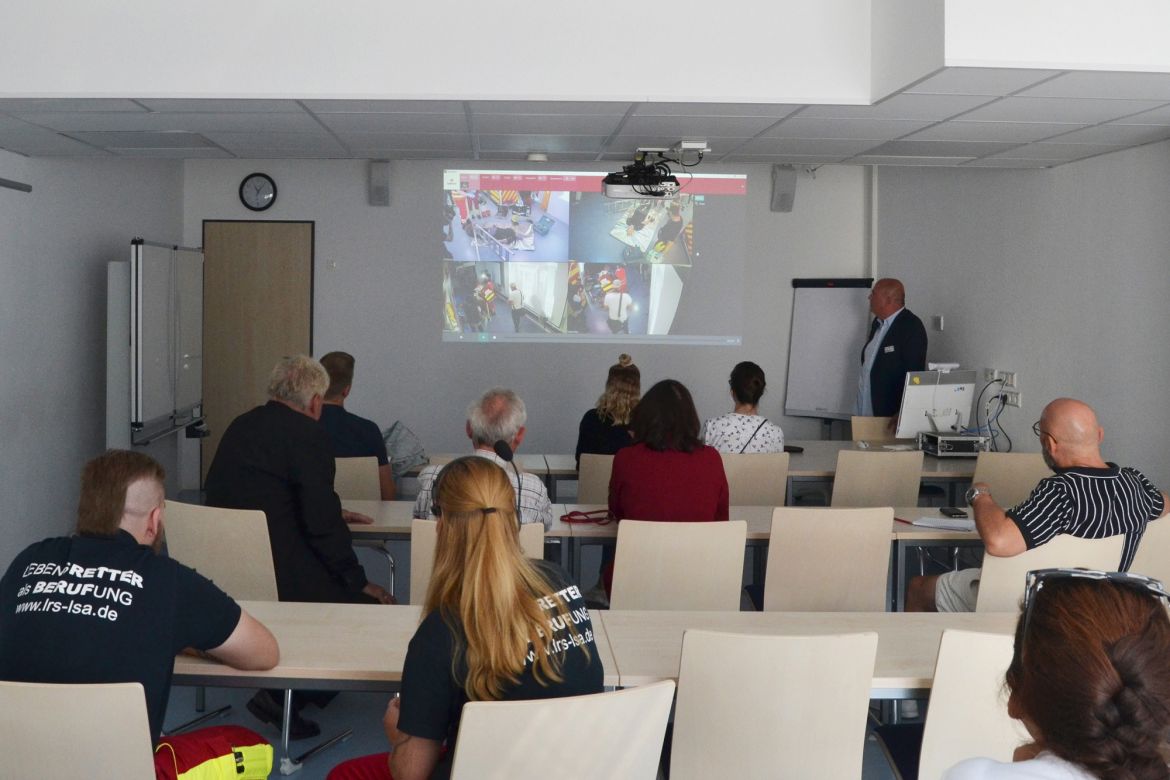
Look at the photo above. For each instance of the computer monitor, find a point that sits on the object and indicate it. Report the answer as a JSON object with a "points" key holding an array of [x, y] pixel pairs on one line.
{"points": [[936, 402]]}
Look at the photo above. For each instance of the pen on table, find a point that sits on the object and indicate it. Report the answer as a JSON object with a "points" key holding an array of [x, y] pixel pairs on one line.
{"points": [[903, 520]]}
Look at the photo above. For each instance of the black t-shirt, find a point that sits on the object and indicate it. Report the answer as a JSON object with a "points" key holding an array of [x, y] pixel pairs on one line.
{"points": [[352, 436], [95, 609], [432, 690], [600, 436]]}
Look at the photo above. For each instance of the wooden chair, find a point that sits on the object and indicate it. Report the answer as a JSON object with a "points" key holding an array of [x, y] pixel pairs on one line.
{"points": [[828, 560], [59, 731], [772, 706], [593, 479], [968, 707], [1001, 586], [228, 546], [1012, 475], [357, 479], [876, 478], [876, 429], [756, 479], [516, 740], [671, 566], [1153, 554], [423, 538]]}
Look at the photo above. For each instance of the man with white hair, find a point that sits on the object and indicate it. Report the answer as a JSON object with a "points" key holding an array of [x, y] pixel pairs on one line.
{"points": [[495, 424]]}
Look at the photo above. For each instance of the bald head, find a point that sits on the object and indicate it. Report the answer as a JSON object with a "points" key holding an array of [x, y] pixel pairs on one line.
{"points": [[1073, 436], [887, 296]]}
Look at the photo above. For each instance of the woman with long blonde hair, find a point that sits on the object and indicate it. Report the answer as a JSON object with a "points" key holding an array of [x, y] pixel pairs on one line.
{"points": [[496, 626], [605, 428]]}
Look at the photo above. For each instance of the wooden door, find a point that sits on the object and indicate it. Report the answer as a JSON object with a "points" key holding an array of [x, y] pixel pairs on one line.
{"points": [[257, 308]]}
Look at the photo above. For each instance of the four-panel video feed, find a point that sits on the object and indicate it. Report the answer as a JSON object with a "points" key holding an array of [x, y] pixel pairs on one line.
{"points": [[531, 256]]}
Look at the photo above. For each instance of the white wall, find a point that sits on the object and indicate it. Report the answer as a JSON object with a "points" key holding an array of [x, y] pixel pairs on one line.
{"points": [[54, 245], [376, 288], [1061, 275]]}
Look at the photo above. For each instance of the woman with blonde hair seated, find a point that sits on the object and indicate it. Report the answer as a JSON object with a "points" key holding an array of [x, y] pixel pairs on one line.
{"points": [[1089, 678], [496, 626], [605, 429]]}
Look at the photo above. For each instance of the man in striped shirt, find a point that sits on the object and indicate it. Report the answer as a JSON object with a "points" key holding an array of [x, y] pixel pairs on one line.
{"points": [[1087, 497]]}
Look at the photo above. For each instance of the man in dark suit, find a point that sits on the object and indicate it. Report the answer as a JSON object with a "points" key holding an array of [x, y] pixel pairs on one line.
{"points": [[896, 345]]}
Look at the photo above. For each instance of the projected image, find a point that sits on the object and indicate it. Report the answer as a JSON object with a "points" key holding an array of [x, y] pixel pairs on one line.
{"points": [[633, 231], [537, 256], [506, 225]]}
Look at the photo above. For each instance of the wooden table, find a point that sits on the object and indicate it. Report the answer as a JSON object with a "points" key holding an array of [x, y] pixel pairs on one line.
{"points": [[647, 646]]}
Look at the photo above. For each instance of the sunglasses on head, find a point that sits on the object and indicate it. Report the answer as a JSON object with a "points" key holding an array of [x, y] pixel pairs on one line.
{"points": [[1036, 580]]}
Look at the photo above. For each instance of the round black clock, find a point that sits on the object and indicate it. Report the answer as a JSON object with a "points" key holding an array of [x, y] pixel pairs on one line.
{"points": [[257, 191]]}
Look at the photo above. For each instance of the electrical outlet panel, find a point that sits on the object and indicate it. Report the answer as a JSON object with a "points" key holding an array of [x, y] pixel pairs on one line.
{"points": [[1012, 398], [1009, 379]]}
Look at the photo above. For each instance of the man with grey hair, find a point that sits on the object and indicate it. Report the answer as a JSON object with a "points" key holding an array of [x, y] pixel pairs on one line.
{"points": [[495, 425], [278, 459]]}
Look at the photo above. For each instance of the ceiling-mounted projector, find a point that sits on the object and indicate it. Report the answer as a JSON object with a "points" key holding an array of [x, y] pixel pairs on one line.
{"points": [[640, 180]]}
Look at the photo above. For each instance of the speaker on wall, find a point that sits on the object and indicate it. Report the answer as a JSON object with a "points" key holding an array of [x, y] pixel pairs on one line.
{"points": [[379, 185], [783, 188]]}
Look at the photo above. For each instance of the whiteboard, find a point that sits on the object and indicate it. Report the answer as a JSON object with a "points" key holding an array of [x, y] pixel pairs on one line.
{"points": [[830, 319]]}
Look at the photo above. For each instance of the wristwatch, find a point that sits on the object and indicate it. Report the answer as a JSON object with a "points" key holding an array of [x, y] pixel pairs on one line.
{"points": [[974, 493]]}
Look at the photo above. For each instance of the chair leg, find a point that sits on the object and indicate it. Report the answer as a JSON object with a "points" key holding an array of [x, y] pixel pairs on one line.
{"points": [[381, 547]]}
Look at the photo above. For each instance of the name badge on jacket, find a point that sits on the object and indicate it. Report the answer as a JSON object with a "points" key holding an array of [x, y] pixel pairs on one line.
{"points": [[888, 349]]}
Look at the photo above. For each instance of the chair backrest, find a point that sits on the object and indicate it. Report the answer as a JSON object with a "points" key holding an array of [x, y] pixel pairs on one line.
{"points": [[772, 706], [1001, 585], [228, 546], [593, 479], [357, 479], [968, 706], [423, 538], [756, 479], [871, 428], [1012, 475], [1153, 554], [516, 740], [676, 566], [877, 478], [56, 731], [828, 560]]}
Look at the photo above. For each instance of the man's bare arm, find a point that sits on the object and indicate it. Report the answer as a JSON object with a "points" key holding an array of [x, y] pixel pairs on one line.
{"points": [[1001, 537], [251, 646]]}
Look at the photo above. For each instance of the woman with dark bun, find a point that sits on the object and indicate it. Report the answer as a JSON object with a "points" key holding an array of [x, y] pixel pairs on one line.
{"points": [[744, 430], [1090, 679], [605, 429]]}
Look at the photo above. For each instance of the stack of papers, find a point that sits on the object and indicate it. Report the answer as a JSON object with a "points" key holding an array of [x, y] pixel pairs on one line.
{"points": [[946, 523]]}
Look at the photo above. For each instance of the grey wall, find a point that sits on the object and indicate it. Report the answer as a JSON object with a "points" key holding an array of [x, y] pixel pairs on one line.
{"points": [[376, 294], [1062, 275], [54, 246]]}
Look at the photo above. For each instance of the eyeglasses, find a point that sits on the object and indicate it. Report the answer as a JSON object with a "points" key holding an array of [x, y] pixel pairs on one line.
{"points": [[1036, 579], [1041, 433]]}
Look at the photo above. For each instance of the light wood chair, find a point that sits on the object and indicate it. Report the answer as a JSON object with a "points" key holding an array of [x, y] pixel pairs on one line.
{"points": [[228, 546], [828, 560], [1012, 475], [772, 706], [1153, 554], [876, 429], [876, 478], [516, 740], [756, 479], [678, 566], [1001, 585], [357, 479], [968, 706], [593, 479], [424, 536], [58, 731]]}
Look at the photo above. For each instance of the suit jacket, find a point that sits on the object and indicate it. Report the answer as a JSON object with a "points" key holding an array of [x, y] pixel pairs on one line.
{"points": [[280, 461], [901, 351]]}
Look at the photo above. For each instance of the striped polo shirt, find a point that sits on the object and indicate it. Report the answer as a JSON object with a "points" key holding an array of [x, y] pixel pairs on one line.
{"points": [[1092, 504]]}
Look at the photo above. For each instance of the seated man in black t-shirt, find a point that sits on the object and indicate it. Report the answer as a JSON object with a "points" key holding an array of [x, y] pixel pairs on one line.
{"points": [[103, 606], [352, 436]]}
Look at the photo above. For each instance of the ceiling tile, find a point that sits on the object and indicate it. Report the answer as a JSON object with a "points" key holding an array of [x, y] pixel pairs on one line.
{"points": [[404, 154], [221, 106], [126, 140], [914, 161], [268, 153], [241, 144], [905, 106], [556, 107], [940, 148], [684, 126], [546, 124], [1105, 84], [43, 143], [774, 110], [1116, 135], [447, 142], [1068, 110], [192, 122], [999, 162], [23, 105], [994, 132], [12, 123], [980, 81], [395, 123], [174, 154], [384, 106], [1054, 151], [856, 129], [796, 159], [825, 147], [1159, 116], [541, 143]]}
